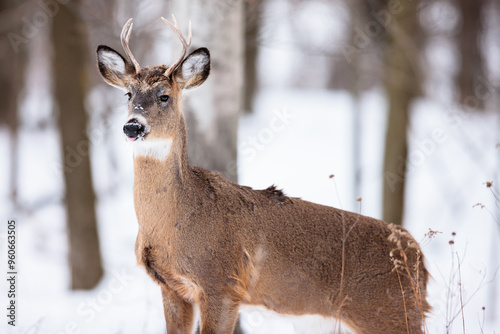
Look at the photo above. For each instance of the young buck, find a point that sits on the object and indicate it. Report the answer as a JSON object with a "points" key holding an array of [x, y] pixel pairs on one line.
{"points": [[213, 244]]}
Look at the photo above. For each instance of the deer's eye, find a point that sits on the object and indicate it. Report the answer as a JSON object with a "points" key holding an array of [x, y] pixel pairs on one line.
{"points": [[128, 95], [163, 98]]}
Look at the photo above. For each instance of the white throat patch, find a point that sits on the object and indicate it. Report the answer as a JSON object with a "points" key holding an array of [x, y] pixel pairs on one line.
{"points": [[158, 149]]}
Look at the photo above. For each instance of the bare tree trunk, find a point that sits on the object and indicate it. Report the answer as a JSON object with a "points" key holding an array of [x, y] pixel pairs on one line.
{"points": [[69, 68], [471, 75], [13, 61], [401, 83], [358, 18], [212, 117], [253, 12]]}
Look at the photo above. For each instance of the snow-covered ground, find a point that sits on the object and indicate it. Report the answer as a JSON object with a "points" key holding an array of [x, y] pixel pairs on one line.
{"points": [[295, 140]]}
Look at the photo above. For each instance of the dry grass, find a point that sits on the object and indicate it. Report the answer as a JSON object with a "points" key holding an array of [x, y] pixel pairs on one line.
{"points": [[456, 300], [416, 289]]}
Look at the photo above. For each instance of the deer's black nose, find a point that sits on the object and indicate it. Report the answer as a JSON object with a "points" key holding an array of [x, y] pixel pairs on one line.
{"points": [[133, 129]]}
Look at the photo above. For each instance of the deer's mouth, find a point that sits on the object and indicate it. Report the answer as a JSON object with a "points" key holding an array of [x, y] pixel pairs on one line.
{"points": [[134, 130]]}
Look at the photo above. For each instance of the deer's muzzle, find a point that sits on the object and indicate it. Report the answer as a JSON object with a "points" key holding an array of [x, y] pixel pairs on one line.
{"points": [[133, 130]]}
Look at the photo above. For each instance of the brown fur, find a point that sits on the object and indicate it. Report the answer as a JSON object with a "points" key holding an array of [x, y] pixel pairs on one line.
{"points": [[216, 244]]}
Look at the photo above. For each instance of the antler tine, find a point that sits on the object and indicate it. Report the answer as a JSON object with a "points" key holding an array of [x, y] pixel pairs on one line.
{"points": [[125, 36], [175, 21], [185, 44], [190, 33], [176, 26]]}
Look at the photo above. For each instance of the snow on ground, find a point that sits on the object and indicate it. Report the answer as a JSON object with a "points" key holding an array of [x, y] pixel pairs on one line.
{"points": [[295, 140]]}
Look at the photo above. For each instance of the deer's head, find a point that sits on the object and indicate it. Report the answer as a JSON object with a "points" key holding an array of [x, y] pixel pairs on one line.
{"points": [[154, 93]]}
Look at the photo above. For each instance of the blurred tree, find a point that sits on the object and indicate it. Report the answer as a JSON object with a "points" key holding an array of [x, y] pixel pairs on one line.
{"points": [[353, 80], [13, 59], [212, 117], [347, 71], [70, 86], [101, 26], [253, 13], [401, 80], [471, 74]]}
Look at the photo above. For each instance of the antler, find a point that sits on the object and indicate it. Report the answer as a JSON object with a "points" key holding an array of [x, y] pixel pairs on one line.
{"points": [[185, 44], [126, 31]]}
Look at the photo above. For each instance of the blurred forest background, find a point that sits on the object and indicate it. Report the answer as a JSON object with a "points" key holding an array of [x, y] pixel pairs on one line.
{"points": [[427, 62]]}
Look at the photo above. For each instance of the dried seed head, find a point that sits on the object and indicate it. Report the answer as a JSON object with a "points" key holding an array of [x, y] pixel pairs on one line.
{"points": [[453, 234], [489, 184], [359, 199], [431, 234], [481, 205], [331, 176], [451, 242]]}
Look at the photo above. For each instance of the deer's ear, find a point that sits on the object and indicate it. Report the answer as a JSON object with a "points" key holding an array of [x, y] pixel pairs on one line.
{"points": [[194, 69], [114, 69]]}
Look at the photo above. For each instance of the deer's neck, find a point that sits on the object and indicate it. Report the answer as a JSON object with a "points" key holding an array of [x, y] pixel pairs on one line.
{"points": [[161, 179]]}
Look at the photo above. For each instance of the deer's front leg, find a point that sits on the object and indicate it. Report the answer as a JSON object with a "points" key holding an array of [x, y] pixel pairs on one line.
{"points": [[179, 314], [219, 314]]}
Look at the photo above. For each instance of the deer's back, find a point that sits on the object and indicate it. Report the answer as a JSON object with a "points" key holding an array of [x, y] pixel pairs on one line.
{"points": [[287, 245]]}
